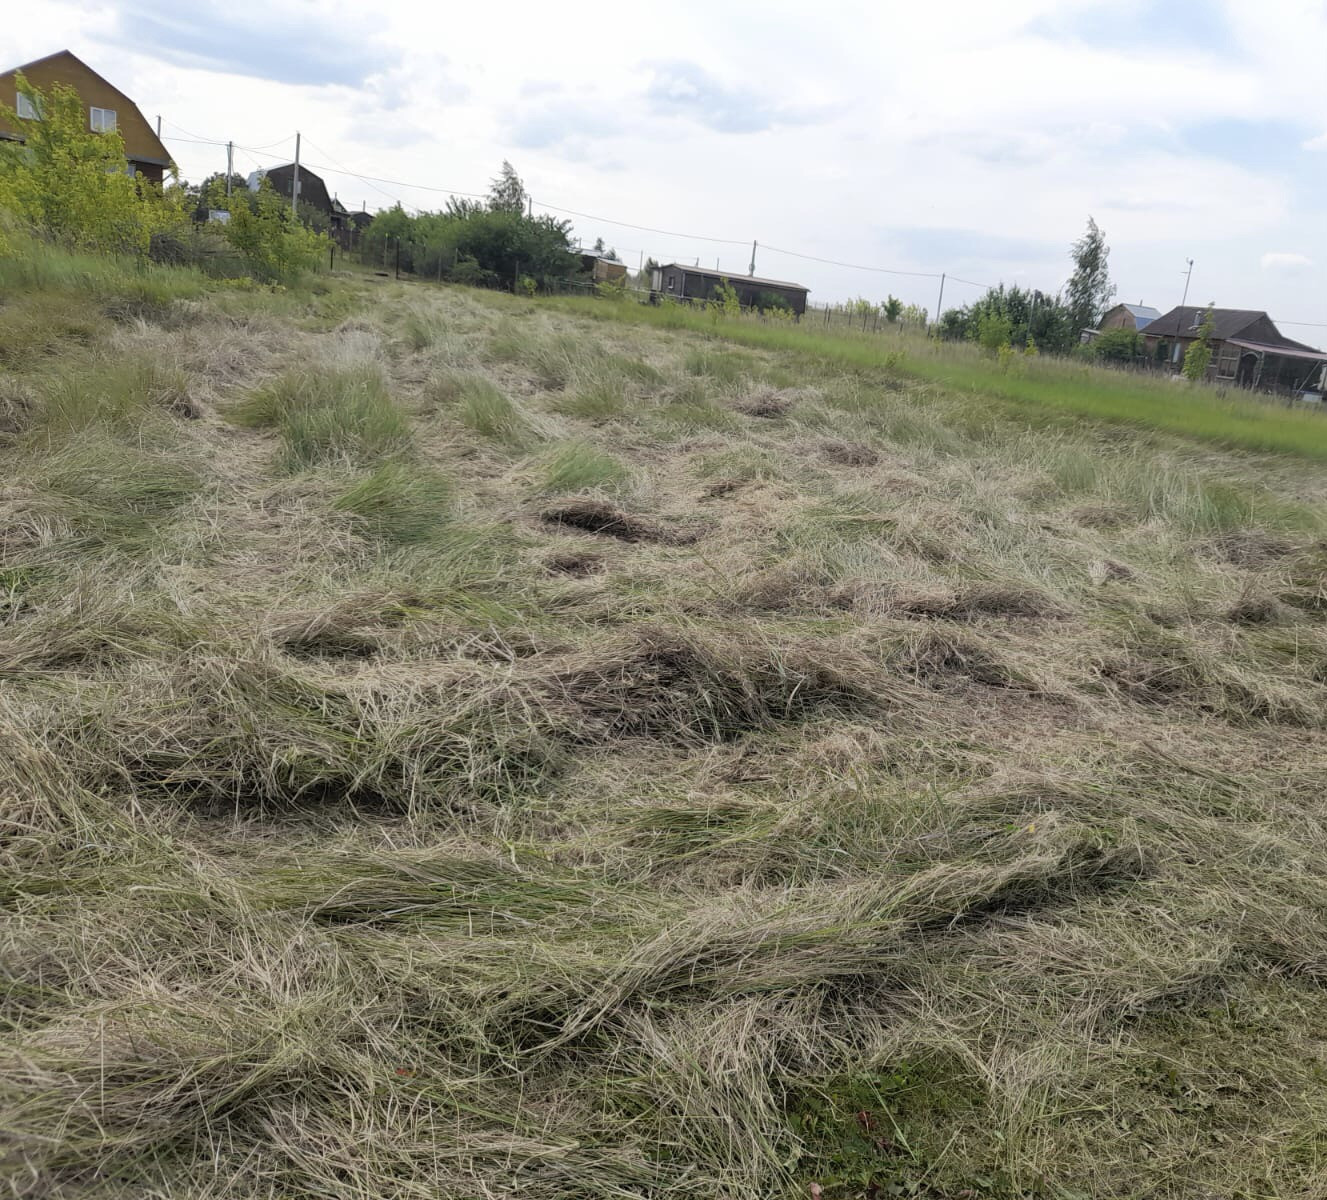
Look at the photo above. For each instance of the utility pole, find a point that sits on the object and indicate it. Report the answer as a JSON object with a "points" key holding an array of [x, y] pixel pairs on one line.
{"points": [[1187, 273], [752, 269], [294, 182], [158, 126], [230, 165], [940, 304], [529, 210]]}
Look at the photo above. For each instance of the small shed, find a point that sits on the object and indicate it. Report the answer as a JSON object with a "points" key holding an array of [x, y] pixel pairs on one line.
{"points": [[701, 284], [1128, 316], [600, 269]]}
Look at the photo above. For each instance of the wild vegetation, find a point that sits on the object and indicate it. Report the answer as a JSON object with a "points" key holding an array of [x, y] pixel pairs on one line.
{"points": [[453, 744], [66, 185]]}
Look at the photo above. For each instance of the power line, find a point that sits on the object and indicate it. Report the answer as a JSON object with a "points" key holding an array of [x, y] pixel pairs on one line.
{"points": [[373, 180], [690, 237], [347, 171], [851, 266]]}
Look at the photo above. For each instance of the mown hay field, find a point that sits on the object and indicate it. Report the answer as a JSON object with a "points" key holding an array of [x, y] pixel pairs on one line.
{"points": [[460, 746]]}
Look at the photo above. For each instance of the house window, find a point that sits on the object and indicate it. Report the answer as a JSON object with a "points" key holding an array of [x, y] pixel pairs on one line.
{"points": [[26, 109], [672, 283], [103, 120]]}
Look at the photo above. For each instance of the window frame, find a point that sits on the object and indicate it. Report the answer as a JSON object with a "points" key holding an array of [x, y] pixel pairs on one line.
{"points": [[93, 110], [22, 101]]}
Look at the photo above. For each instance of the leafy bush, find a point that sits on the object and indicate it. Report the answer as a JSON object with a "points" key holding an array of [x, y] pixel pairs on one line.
{"points": [[276, 247], [1116, 345], [994, 331], [70, 185], [484, 245]]}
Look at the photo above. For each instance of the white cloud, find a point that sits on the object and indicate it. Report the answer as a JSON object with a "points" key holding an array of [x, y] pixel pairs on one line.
{"points": [[1284, 263], [1005, 125]]}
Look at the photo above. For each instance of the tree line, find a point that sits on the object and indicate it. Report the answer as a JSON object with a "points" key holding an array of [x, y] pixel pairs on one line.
{"points": [[1031, 321]]}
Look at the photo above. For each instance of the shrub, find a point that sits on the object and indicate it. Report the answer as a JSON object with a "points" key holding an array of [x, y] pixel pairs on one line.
{"points": [[69, 184], [276, 247], [1116, 345]]}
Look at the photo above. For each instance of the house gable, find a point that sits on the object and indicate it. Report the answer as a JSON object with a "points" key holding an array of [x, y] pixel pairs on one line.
{"points": [[142, 147]]}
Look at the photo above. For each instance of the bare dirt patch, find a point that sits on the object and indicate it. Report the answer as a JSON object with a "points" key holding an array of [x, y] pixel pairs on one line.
{"points": [[574, 563], [1251, 547], [598, 516], [849, 454]]}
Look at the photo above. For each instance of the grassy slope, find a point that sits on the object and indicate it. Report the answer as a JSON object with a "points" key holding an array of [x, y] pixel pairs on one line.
{"points": [[1035, 390], [889, 794]]}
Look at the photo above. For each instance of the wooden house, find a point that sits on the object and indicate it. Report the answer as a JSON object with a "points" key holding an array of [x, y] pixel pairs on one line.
{"points": [[108, 109], [1247, 349], [701, 284]]}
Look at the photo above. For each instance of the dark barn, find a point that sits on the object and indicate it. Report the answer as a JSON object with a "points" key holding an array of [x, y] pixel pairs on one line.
{"points": [[700, 284], [312, 190]]}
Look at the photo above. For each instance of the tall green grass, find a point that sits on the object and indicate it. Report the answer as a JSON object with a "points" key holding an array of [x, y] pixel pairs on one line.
{"points": [[1038, 391], [328, 415], [577, 466], [399, 503], [491, 413]]}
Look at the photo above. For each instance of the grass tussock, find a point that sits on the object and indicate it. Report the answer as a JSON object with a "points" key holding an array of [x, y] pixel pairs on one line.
{"points": [[576, 467], [489, 412], [399, 503], [425, 808], [328, 415]]}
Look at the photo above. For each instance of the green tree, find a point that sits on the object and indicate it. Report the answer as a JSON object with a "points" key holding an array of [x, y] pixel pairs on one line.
{"points": [[507, 193], [1198, 357], [275, 245], [1090, 288], [1116, 345], [71, 185], [892, 308], [994, 330]]}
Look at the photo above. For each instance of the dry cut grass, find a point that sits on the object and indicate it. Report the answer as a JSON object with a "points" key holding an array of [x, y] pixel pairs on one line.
{"points": [[453, 747]]}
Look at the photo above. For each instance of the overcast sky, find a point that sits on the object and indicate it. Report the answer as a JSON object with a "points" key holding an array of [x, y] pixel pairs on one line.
{"points": [[970, 138]]}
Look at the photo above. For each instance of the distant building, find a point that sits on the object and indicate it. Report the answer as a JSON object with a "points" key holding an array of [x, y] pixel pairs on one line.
{"points": [[311, 188], [108, 109], [600, 269], [698, 283], [1247, 349], [1128, 316]]}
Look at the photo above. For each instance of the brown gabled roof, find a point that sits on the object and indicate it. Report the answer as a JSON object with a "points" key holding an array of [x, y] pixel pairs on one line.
{"points": [[1227, 323], [163, 156]]}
